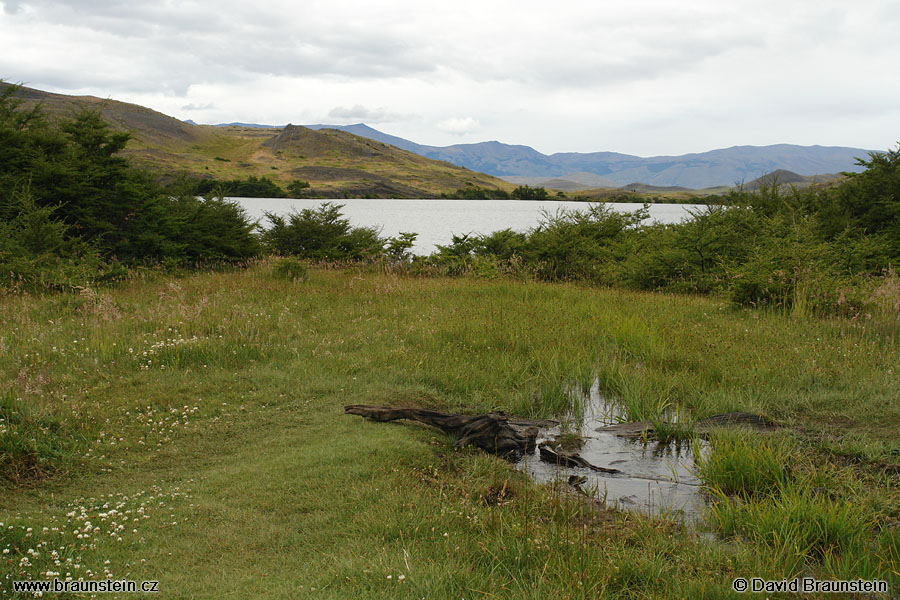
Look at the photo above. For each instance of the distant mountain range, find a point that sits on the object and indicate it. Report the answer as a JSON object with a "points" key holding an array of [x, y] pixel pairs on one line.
{"points": [[575, 170]]}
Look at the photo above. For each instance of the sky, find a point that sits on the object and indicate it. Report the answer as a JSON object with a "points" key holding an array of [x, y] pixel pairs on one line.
{"points": [[644, 77]]}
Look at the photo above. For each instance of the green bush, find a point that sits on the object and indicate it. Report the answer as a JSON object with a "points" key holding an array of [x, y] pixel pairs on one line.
{"points": [[252, 187], [212, 229], [321, 234], [289, 269], [524, 192], [72, 210], [477, 193]]}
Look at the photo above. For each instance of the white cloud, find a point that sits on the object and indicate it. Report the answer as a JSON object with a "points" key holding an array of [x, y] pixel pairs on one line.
{"points": [[192, 106], [644, 77], [360, 114], [459, 125]]}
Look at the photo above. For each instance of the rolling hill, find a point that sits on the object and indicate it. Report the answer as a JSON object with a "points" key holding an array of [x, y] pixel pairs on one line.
{"points": [[336, 163], [716, 168]]}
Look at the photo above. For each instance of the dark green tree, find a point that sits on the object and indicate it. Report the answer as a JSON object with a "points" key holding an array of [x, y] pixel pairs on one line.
{"points": [[524, 192], [298, 188], [321, 234]]}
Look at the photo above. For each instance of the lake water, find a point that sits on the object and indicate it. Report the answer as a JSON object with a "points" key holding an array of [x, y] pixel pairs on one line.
{"points": [[437, 221]]}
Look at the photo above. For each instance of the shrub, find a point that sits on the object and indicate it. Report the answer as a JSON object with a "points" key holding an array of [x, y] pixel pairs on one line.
{"points": [[36, 251], [211, 229], [321, 234], [252, 187], [523, 192], [289, 269]]}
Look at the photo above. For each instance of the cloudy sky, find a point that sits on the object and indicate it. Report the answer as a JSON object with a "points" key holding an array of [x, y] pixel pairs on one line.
{"points": [[644, 77]]}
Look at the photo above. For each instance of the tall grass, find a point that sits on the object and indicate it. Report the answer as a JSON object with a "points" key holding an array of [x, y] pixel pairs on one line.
{"points": [[231, 385], [744, 464]]}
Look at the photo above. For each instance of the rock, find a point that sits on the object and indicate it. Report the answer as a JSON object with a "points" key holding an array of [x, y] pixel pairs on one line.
{"points": [[734, 419], [633, 429]]}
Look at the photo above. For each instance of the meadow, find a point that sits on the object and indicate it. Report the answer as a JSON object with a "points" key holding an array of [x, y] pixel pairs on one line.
{"points": [[190, 429]]}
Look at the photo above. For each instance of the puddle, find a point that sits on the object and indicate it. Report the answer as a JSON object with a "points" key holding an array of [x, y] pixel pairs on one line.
{"points": [[655, 478]]}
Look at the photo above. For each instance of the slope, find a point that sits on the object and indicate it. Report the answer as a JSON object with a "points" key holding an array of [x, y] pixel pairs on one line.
{"points": [[337, 164]]}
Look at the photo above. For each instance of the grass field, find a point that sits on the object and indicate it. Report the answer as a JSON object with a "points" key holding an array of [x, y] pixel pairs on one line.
{"points": [[196, 423]]}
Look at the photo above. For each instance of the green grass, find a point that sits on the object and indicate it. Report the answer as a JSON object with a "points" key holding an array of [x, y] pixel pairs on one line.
{"points": [[739, 462], [220, 395]]}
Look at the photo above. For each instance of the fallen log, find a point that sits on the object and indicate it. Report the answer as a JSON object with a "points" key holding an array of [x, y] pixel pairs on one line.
{"points": [[557, 455], [495, 433]]}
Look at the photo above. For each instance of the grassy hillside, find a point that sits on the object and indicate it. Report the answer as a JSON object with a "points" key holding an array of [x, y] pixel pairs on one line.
{"points": [[336, 163]]}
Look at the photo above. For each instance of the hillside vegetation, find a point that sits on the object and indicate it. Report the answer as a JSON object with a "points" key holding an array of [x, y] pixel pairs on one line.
{"points": [[335, 163]]}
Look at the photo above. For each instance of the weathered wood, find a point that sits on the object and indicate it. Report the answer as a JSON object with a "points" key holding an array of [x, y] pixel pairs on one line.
{"points": [[492, 432], [557, 455]]}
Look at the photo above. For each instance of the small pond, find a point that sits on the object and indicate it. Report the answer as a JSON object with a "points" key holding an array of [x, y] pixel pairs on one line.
{"points": [[655, 478]]}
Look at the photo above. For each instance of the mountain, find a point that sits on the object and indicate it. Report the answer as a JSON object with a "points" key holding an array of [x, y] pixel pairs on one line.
{"points": [[570, 182], [363, 130], [359, 160], [239, 124], [337, 164], [783, 177], [722, 167]]}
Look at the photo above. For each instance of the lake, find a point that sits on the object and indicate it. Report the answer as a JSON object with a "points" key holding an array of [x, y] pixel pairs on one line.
{"points": [[437, 221]]}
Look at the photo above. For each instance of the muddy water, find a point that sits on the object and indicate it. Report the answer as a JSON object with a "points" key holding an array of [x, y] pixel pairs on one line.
{"points": [[655, 478]]}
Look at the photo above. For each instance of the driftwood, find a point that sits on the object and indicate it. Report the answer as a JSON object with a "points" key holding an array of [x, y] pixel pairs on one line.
{"points": [[557, 455], [492, 432]]}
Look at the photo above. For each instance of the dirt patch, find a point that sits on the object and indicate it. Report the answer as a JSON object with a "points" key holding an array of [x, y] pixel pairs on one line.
{"points": [[335, 174]]}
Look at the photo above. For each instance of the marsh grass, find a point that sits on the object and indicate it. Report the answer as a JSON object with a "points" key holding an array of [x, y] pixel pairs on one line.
{"points": [[770, 492], [237, 402], [742, 463]]}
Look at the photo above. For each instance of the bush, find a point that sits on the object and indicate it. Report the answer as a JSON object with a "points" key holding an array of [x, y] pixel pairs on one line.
{"points": [[321, 234], [252, 187], [289, 269], [477, 193], [212, 229], [36, 251], [523, 192], [582, 245]]}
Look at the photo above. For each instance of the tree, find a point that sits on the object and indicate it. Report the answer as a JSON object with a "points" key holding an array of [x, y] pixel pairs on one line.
{"points": [[321, 233], [523, 192], [398, 248], [75, 176], [297, 188], [868, 202]]}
